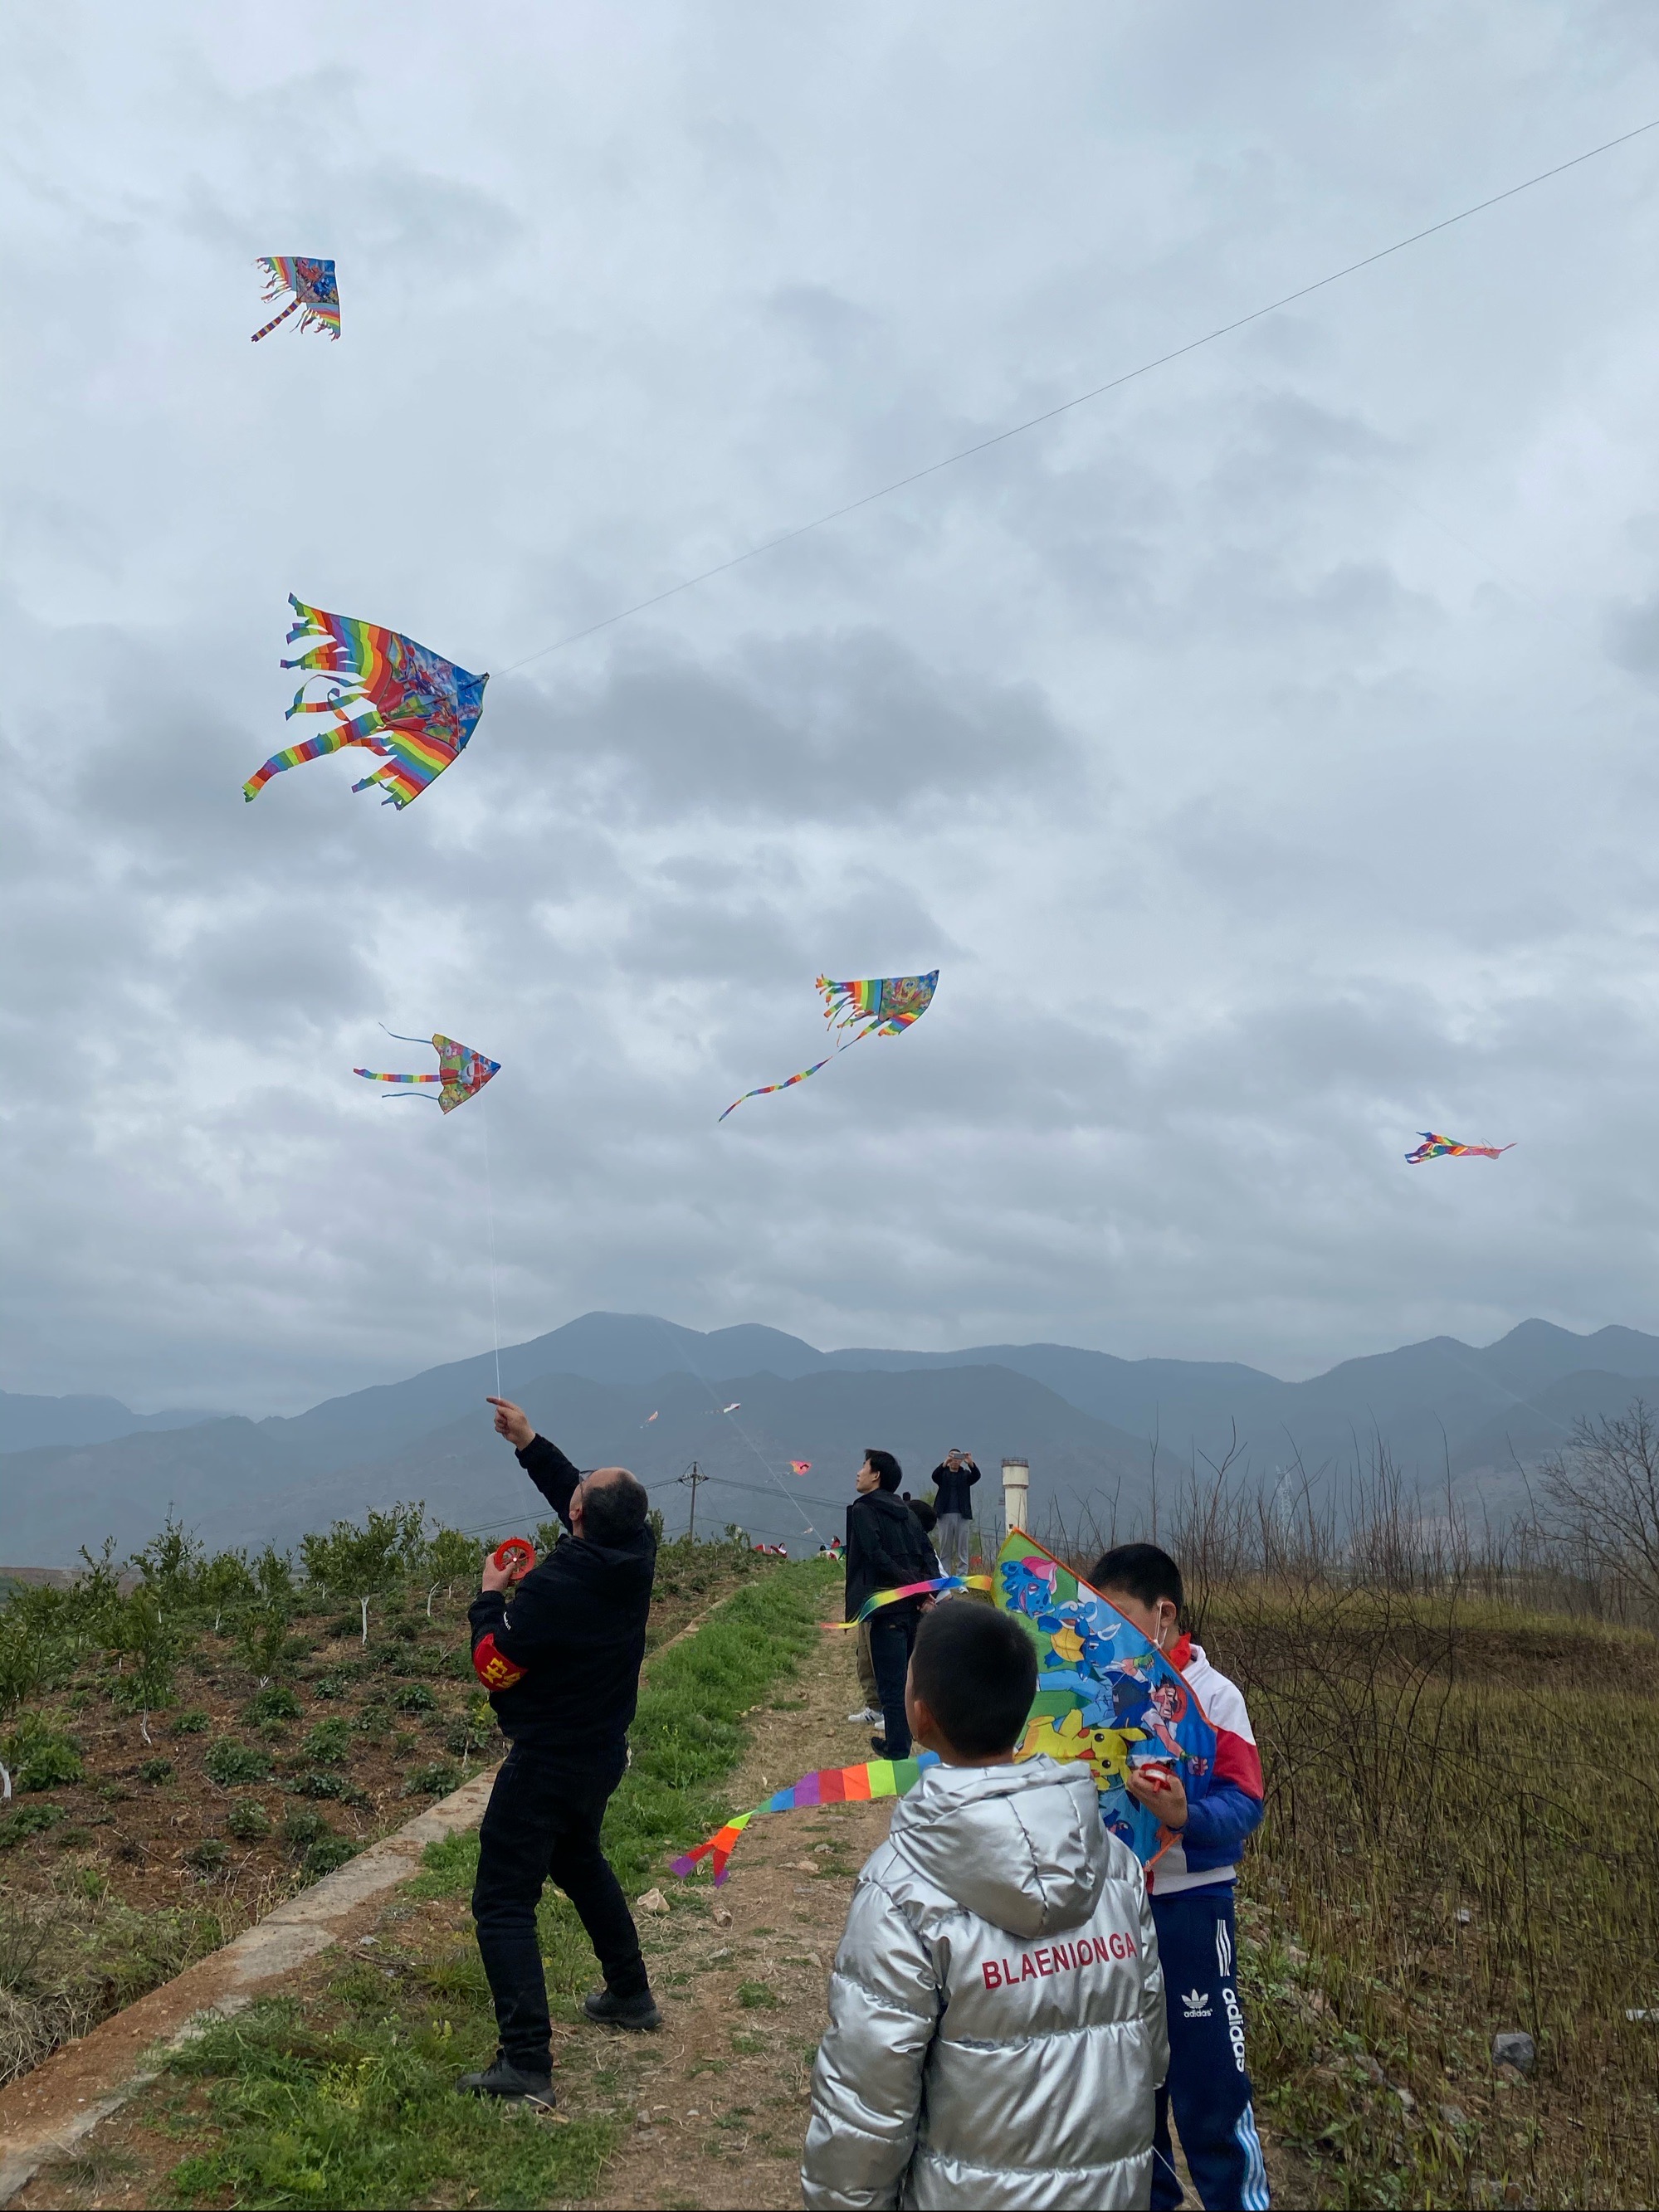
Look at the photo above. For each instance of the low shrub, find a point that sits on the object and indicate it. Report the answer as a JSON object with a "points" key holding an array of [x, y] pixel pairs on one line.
{"points": [[321, 1786], [208, 1855], [27, 1820], [276, 1702], [414, 1697], [435, 1779], [156, 1770], [195, 1721], [249, 1821], [329, 1742], [327, 1853], [40, 1754], [303, 1825], [228, 1762]]}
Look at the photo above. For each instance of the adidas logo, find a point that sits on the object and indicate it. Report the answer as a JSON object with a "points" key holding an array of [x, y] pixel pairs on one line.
{"points": [[1196, 2004]]}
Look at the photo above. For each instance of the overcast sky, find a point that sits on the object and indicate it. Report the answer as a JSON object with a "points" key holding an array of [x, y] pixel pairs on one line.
{"points": [[1266, 753]]}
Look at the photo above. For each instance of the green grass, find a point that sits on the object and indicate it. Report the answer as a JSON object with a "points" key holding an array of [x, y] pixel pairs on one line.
{"points": [[364, 2114]]}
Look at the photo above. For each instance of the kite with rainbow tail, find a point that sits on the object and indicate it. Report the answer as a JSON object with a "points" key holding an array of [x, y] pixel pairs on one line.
{"points": [[1444, 1148], [416, 710], [462, 1072], [826, 1785], [316, 294], [1106, 1696], [874, 1006]]}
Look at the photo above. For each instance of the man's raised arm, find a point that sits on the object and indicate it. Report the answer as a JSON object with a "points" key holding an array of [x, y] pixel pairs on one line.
{"points": [[544, 1462]]}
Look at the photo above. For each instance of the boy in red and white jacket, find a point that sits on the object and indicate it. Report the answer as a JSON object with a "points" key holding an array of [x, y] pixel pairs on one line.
{"points": [[1192, 1900]]}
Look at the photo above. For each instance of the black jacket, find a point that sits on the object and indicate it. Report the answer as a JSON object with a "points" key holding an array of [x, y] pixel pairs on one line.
{"points": [[576, 1626], [950, 1490], [886, 1549]]}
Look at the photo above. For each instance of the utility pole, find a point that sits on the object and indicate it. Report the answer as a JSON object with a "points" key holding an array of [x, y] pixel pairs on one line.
{"points": [[694, 1477]]}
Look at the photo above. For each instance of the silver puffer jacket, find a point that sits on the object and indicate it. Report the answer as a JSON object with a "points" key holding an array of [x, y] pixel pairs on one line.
{"points": [[996, 2015]]}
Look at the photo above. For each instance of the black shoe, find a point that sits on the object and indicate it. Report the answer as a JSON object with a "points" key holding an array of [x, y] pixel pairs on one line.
{"points": [[639, 2012], [878, 1745], [502, 2078]]}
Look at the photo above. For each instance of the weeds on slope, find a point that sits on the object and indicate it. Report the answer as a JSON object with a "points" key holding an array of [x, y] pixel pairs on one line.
{"points": [[355, 2107]]}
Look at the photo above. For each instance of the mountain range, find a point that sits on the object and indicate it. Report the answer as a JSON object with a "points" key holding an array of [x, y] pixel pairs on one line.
{"points": [[1098, 1431]]}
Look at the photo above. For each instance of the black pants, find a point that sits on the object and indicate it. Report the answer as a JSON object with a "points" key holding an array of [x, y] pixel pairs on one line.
{"points": [[892, 1636], [542, 1822]]}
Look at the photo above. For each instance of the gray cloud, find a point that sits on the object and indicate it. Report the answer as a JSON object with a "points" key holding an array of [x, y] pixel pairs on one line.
{"points": [[1255, 750]]}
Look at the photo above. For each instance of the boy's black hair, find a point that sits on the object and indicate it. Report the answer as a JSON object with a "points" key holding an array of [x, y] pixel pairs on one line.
{"points": [[1142, 1572], [887, 1467], [975, 1670], [924, 1513], [615, 1510]]}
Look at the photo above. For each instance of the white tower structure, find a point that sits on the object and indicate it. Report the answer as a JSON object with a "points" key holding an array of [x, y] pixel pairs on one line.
{"points": [[1016, 1487]]}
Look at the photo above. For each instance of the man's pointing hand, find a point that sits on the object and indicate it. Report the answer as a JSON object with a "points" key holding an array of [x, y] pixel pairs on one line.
{"points": [[512, 1422]]}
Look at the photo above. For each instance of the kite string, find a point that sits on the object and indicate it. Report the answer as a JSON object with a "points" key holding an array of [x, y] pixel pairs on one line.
{"points": [[766, 1468], [489, 1209], [1082, 399]]}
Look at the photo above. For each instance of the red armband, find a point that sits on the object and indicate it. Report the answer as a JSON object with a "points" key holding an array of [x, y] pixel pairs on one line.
{"points": [[493, 1667]]}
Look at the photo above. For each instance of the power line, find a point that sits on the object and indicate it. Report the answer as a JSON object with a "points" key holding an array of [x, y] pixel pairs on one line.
{"points": [[1082, 400]]}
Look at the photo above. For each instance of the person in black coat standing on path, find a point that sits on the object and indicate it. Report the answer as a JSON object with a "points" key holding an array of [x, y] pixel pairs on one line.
{"points": [[562, 1665], [885, 1549]]}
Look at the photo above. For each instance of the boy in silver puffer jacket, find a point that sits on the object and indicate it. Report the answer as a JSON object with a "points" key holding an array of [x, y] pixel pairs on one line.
{"points": [[996, 2031]]}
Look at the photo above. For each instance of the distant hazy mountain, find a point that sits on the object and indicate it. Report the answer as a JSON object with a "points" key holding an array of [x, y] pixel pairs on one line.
{"points": [[25, 1421], [1085, 1421]]}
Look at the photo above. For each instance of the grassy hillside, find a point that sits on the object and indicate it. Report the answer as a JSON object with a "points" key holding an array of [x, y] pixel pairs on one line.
{"points": [[185, 1755]]}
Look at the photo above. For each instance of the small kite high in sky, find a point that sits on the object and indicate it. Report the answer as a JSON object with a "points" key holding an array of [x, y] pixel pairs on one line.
{"points": [[736, 1406], [311, 282], [800, 1467], [878, 1005], [462, 1072], [417, 710], [1442, 1148]]}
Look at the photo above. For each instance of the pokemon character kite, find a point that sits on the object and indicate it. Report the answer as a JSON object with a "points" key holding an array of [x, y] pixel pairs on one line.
{"points": [[1104, 1693], [313, 285], [1438, 1148], [416, 710], [879, 1005], [462, 1072]]}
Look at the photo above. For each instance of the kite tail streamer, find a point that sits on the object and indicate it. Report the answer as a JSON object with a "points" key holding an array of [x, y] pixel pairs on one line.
{"points": [[292, 308], [310, 749], [826, 1785], [940, 1583], [765, 1090]]}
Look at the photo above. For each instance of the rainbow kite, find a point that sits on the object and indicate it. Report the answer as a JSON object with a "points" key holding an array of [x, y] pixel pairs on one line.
{"points": [[462, 1072], [1439, 1148], [1105, 1694], [313, 285], [827, 1786], [879, 1005], [416, 710]]}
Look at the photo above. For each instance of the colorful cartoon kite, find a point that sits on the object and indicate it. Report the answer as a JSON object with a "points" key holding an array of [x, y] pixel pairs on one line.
{"points": [[1104, 1693], [416, 710], [1438, 1148], [800, 1467], [462, 1072], [880, 1006], [827, 1786], [313, 285]]}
